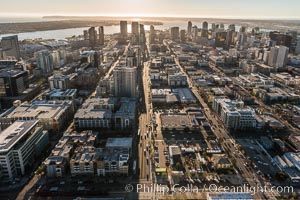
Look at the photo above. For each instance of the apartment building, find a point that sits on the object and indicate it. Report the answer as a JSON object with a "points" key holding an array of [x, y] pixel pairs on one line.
{"points": [[234, 114], [52, 115], [19, 144]]}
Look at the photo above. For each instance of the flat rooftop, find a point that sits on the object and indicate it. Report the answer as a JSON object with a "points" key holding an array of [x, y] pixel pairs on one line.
{"points": [[185, 94], [118, 142], [11, 73], [97, 108], [14, 133], [171, 120], [40, 110], [128, 107], [58, 92]]}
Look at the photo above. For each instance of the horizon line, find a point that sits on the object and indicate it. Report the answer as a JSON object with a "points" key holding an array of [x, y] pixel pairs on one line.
{"points": [[181, 17], [21, 15]]}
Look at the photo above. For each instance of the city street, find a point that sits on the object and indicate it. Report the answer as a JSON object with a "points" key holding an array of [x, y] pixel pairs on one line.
{"points": [[145, 135]]}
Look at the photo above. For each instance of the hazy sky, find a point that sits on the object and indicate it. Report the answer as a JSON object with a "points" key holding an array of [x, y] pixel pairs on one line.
{"points": [[181, 8]]}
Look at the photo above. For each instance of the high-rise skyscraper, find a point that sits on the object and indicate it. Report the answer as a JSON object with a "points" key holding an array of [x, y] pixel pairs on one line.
{"points": [[204, 33], [135, 36], [174, 33], [131, 59], [45, 62], [142, 29], [297, 50], [92, 37], [242, 38], [152, 34], [255, 30], [135, 28], [189, 28], [220, 39], [11, 47], [213, 26], [282, 56], [273, 56], [101, 35], [142, 36], [182, 35], [205, 25], [13, 83], [294, 34], [243, 29], [85, 35], [281, 38], [195, 33], [278, 56], [231, 27], [125, 80], [229, 38], [123, 28]]}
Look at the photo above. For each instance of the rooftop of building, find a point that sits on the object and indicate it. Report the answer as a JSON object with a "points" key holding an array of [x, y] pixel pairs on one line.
{"points": [[118, 143], [294, 158], [14, 133], [10, 37], [234, 107], [184, 94], [218, 91], [127, 106], [11, 73], [171, 120], [255, 77], [174, 150], [160, 91], [84, 154], [7, 63], [60, 76], [105, 155], [87, 53], [55, 43], [62, 149], [55, 160], [83, 137], [177, 76], [103, 108], [59, 92], [39, 110], [272, 121], [96, 108], [264, 66]]}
